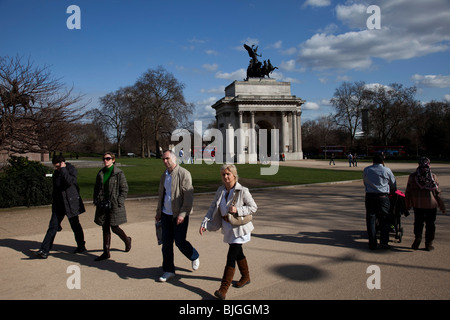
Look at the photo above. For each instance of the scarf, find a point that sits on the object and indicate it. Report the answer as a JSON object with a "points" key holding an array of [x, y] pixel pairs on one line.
{"points": [[107, 174], [424, 178]]}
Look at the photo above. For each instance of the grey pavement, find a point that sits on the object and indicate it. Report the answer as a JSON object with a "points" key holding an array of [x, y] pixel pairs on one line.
{"points": [[309, 242]]}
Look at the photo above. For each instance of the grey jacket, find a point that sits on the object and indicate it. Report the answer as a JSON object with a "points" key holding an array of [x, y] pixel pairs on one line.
{"points": [[118, 191], [182, 193]]}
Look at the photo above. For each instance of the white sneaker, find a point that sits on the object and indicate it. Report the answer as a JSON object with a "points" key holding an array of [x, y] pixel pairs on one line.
{"points": [[196, 264], [166, 276]]}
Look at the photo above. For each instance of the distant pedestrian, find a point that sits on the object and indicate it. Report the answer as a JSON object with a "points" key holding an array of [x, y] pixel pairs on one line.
{"points": [[332, 159], [422, 194], [355, 160], [379, 181], [181, 155], [66, 202], [350, 159], [110, 192]]}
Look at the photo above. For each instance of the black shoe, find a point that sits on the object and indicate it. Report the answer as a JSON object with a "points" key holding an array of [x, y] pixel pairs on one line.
{"points": [[429, 246], [385, 246], [80, 249], [416, 244], [41, 254]]}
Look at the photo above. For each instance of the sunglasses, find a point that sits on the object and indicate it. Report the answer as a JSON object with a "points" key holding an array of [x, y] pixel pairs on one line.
{"points": [[107, 158]]}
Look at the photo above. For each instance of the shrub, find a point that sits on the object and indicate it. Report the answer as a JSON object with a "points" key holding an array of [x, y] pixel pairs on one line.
{"points": [[23, 183]]}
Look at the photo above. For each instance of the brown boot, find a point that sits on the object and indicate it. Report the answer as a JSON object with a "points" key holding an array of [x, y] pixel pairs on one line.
{"points": [[127, 240], [106, 245], [226, 282], [243, 268]]}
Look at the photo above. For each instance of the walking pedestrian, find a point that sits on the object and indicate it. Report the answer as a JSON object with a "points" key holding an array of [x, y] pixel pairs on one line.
{"points": [[66, 202], [110, 192], [422, 194], [379, 181], [175, 202], [332, 160], [231, 198]]}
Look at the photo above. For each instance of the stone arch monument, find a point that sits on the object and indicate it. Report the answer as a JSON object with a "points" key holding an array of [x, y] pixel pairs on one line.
{"points": [[255, 104]]}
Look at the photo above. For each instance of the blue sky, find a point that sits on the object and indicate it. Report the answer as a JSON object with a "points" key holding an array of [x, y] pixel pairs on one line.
{"points": [[316, 44]]}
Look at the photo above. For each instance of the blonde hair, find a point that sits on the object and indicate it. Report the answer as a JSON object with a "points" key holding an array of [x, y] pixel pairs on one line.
{"points": [[232, 168]]}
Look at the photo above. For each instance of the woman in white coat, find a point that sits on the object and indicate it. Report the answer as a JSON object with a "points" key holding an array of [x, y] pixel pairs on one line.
{"points": [[232, 198]]}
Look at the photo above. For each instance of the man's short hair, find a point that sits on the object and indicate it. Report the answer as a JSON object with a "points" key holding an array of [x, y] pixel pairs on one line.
{"points": [[378, 158]]}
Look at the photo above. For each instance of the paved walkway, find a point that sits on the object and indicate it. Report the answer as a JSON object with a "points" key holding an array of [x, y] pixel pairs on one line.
{"points": [[309, 242]]}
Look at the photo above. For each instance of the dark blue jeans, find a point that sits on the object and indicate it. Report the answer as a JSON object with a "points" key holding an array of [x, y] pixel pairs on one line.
{"points": [[171, 232], [377, 206], [55, 222]]}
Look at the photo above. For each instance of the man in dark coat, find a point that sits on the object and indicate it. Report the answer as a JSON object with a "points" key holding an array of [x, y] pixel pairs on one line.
{"points": [[66, 201]]}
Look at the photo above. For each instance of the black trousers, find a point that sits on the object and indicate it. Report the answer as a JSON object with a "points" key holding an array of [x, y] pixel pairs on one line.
{"points": [[55, 222], [425, 217], [377, 207], [235, 253]]}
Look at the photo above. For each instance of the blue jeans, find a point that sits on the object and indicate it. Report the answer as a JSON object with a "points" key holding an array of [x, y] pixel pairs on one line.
{"points": [[377, 206], [171, 232]]}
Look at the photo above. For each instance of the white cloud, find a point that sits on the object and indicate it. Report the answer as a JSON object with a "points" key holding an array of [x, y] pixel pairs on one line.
{"points": [[276, 45], [239, 74], [203, 110], [211, 52], [352, 15], [288, 65], [210, 67], [409, 29], [432, 81], [290, 51], [317, 3], [310, 106], [447, 97]]}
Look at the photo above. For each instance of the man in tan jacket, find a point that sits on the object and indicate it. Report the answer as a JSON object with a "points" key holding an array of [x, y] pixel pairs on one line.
{"points": [[175, 202]]}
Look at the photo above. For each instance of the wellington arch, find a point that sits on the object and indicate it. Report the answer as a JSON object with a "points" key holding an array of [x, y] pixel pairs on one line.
{"points": [[255, 104]]}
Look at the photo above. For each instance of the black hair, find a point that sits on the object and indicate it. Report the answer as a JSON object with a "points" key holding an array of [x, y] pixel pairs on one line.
{"points": [[378, 158], [57, 159]]}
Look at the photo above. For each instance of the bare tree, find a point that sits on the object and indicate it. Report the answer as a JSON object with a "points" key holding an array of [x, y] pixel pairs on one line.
{"points": [[389, 109], [159, 95], [114, 114], [35, 108], [349, 100]]}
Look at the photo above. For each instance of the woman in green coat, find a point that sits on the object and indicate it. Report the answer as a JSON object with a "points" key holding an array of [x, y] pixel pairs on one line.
{"points": [[110, 192]]}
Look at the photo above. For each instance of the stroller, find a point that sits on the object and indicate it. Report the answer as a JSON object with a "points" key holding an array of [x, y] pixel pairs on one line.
{"points": [[396, 210]]}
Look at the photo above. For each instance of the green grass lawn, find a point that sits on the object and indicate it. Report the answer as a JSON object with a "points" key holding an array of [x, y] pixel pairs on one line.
{"points": [[143, 176]]}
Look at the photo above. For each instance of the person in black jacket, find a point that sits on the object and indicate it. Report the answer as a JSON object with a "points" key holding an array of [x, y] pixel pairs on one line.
{"points": [[66, 202]]}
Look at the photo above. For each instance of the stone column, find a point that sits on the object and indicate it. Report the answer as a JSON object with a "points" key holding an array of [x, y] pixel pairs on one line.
{"points": [[241, 140], [252, 157], [299, 133], [294, 132], [283, 130]]}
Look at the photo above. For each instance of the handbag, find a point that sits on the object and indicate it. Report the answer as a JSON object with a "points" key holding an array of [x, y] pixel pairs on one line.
{"points": [[105, 204], [233, 218]]}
